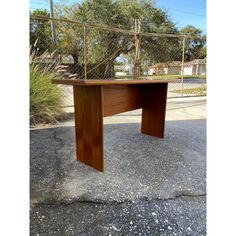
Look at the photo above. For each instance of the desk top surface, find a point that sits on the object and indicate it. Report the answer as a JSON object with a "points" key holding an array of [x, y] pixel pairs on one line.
{"points": [[93, 82]]}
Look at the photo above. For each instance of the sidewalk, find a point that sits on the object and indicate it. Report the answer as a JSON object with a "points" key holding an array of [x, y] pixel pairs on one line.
{"points": [[150, 186], [186, 108]]}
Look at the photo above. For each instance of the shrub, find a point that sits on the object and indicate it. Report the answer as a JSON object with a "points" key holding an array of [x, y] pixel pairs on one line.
{"points": [[45, 97]]}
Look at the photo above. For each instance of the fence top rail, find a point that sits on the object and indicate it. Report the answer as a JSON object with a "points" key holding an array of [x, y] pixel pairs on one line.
{"points": [[92, 82], [97, 26], [105, 27]]}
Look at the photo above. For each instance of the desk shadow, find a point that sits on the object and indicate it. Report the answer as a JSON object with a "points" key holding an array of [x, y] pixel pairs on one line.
{"points": [[136, 165]]}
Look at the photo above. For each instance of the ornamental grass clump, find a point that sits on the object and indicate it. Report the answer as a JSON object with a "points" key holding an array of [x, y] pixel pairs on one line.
{"points": [[45, 97]]}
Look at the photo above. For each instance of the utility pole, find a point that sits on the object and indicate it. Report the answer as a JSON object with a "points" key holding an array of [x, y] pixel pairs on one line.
{"points": [[182, 67], [52, 22]]}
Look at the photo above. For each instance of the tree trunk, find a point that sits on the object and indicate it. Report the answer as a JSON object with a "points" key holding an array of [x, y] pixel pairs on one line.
{"points": [[109, 72], [75, 57], [75, 68]]}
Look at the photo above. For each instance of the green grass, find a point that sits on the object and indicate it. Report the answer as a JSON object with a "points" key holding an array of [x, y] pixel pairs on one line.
{"points": [[196, 91], [174, 76], [45, 98], [195, 76], [166, 76]]}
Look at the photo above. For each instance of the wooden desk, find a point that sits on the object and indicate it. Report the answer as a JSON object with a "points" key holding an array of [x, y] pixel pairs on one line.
{"points": [[95, 99]]}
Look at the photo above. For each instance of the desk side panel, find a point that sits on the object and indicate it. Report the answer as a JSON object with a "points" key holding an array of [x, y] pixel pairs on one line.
{"points": [[154, 109], [121, 98], [89, 125]]}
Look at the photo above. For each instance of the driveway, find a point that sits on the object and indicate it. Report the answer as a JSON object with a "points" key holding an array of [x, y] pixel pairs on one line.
{"points": [[150, 186]]}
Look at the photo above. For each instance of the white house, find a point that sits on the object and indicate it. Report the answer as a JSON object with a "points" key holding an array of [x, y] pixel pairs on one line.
{"points": [[195, 67], [167, 68], [121, 70]]}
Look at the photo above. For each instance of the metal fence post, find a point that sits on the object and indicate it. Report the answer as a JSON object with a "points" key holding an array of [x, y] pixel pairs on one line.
{"points": [[85, 53], [182, 67]]}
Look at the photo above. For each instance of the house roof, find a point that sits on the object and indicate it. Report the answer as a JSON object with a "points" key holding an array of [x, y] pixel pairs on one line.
{"points": [[195, 62], [163, 64], [179, 63]]}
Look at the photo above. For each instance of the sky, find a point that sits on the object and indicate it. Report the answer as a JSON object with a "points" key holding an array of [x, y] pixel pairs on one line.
{"points": [[182, 12], [185, 12]]}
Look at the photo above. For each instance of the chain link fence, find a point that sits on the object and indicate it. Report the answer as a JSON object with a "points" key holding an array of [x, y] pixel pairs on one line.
{"points": [[89, 51]]}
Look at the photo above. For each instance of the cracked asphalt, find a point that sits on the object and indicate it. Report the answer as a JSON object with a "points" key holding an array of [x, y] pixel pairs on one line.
{"points": [[150, 186]]}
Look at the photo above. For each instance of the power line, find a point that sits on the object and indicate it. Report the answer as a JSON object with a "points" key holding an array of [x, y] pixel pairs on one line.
{"points": [[186, 12], [38, 3], [36, 7]]}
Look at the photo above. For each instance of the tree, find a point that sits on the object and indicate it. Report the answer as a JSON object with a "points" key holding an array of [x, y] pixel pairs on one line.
{"points": [[106, 46], [40, 31], [195, 47]]}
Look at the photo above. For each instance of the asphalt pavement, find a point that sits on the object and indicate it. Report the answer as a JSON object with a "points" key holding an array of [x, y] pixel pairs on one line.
{"points": [[150, 186]]}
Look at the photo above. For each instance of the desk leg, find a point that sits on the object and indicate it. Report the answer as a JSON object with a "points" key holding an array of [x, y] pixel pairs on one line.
{"points": [[154, 109], [89, 125]]}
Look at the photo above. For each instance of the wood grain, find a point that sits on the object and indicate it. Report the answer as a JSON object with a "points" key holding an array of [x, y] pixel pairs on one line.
{"points": [[95, 99], [89, 125], [154, 109], [121, 98], [94, 82]]}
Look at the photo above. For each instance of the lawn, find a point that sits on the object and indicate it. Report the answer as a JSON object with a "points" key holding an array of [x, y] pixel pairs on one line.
{"points": [[165, 76], [196, 91], [174, 76]]}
